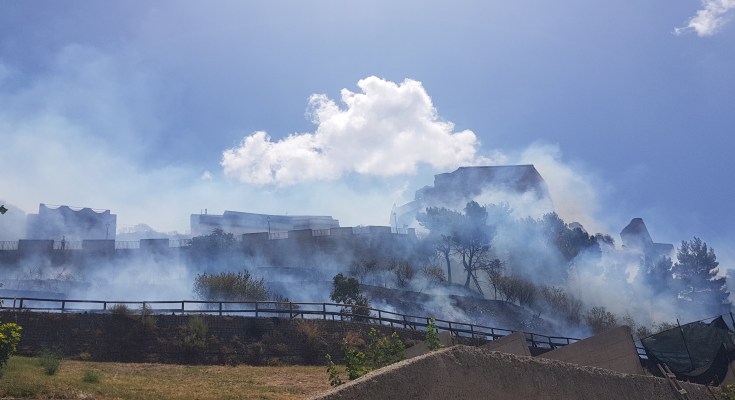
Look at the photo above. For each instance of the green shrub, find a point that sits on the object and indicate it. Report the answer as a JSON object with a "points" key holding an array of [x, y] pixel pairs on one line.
{"points": [[50, 361], [354, 361], [195, 335], [91, 377], [384, 350], [432, 337], [230, 286], [9, 339], [381, 351], [335, 378], [728, 392]]}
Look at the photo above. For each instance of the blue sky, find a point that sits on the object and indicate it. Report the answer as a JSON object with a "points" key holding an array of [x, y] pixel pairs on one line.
{"points": [[626, 107]]}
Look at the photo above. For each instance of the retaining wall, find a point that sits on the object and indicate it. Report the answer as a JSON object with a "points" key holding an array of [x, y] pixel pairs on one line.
{"points": [[162, 338]]}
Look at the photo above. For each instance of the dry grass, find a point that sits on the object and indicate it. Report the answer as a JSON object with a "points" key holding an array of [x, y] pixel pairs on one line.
{"points": [[24, 378]]}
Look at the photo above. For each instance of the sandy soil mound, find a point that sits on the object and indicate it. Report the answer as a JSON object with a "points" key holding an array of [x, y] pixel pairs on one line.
{"points": [[463, 372]]}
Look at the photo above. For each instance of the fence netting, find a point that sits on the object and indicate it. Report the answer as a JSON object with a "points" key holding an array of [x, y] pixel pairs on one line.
{"points": [[699, 351]]}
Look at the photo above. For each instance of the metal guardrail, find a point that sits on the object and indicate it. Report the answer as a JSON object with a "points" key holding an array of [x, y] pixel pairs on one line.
{"points": [[326, 311]]}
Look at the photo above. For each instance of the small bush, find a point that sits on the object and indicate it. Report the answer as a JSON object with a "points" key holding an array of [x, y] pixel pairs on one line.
{"points": [[149, 323], [195, 335], [312, 337], [432, 337], [599, 320], [9, 339], [91, 377], [354, 361], [335, 378], [121, 309], [50, 361], [384, 350], [85, 356]]}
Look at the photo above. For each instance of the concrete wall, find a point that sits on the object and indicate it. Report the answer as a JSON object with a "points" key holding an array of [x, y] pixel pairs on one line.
{"points": [[613, 350], [445, 338], [515, 343], [462, 372]]}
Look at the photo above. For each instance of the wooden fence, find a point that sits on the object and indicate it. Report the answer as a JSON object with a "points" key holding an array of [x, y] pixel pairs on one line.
{"points": [[278, 309]]}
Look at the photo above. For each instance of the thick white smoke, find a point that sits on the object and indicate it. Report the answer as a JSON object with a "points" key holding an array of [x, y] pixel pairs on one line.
{"points": [[387, 129], [573, 193]]}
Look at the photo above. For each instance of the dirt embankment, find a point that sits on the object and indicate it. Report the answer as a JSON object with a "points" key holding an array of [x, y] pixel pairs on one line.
{"points": [[463, 372]]}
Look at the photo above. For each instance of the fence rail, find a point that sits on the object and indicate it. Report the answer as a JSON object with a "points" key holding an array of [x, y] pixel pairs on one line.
{"points": [[326, 311]]}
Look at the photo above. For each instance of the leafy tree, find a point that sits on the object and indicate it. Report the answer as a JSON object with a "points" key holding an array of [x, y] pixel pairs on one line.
{"points": [[472, 242], [215, 250], [442, 225], [230, 286], [569, 241], [659, 275], [465, 236], [346, 290], [695, 273], [516, 289]]}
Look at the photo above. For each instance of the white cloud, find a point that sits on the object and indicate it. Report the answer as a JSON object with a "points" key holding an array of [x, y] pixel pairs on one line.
{"points": [[387, 129], [710, 19]]}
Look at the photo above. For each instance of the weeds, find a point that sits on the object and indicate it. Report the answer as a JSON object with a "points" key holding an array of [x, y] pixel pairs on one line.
{"points": [[335, 378], [91, 377], [49, 361], [195, 335]]}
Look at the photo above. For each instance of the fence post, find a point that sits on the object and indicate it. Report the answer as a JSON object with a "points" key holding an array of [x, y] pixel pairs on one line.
{"points": [[256, 309], [683, 338], [182, 308], [472, 330], [380, 318], [104, 306], [290, 310], [324, 310], [63, 305], [220, 308]]}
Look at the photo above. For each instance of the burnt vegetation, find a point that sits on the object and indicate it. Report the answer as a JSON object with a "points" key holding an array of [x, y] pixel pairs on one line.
{"points": [[480, 264], [483, 252]]}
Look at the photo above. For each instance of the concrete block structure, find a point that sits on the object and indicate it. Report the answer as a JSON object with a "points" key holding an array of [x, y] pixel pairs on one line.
{"points": [[503, 183], [71, 224], [239, 223], [515, 343], [613, 350], [445, 338]]}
